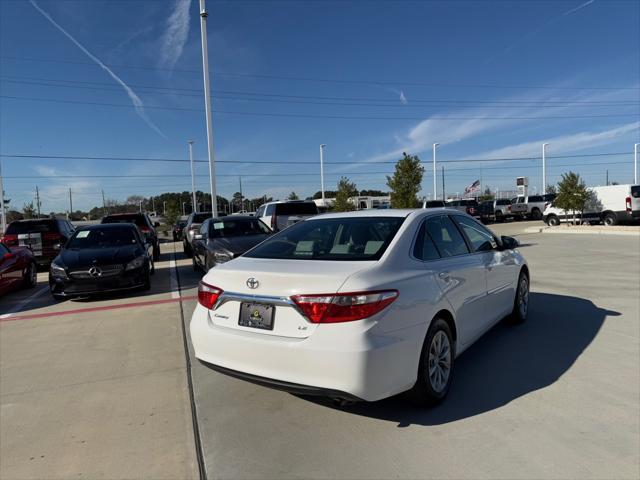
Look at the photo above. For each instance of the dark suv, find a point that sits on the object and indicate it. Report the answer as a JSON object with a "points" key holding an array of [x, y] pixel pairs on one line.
{"points": [[44, 236], [144, 224]]}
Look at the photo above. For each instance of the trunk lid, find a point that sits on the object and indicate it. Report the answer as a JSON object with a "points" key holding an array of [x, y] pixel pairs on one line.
{"points": [[277, 280]]}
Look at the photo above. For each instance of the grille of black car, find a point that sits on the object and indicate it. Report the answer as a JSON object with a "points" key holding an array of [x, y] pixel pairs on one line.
{"points": [[105, 271]]}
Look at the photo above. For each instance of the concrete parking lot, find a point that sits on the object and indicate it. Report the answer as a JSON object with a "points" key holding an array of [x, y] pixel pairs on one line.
{"points": [[100, 389]]}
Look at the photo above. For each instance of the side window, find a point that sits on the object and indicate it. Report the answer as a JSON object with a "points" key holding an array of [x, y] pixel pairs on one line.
{"points": [[204, 229], [260, 211], [425, 249], [480, 238], [446, 236], [269, 210]]}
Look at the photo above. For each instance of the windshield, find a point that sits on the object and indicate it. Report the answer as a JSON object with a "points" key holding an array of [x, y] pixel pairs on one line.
{"points": [[102, 238], [237, 227], [200, 217], [360, 238]]}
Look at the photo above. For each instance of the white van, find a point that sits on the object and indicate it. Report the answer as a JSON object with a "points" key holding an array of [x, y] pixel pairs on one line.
{"points": [[610, 205], [281, 214]]}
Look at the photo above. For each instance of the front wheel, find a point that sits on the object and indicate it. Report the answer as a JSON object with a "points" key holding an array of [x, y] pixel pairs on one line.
{"points": [[536, 214], [156, 252], [553, 221], [521, 300], [435, 370], [31, 278]]}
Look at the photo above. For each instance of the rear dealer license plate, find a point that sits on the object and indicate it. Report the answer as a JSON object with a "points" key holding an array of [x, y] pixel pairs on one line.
{"points": [[256, 315]]}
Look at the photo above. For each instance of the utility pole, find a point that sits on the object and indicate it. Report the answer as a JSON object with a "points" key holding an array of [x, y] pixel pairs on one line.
{"points": [[207, 101], [164, 208], [193, 179], [3, 217], [443, 195], [635, 163], [153, 204], [607, 184], [183, 213], [38, 200], [322, 145], [435, 185], [141, 206], [544, 168], [241, 200], [104, 204], [70, 205]]}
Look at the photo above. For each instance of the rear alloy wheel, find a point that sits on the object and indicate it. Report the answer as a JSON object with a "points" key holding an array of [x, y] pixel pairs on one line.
{"points": [[553, 221], [156, 252], [521, 300], [535, 214], [31, 278], [609, 219], [435, 370]]}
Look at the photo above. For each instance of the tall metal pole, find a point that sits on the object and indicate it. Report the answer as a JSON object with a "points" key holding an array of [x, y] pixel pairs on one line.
{"points": [[164, 208], [70, 205], [443, 195], [104, 204], [183, 213], [322, 145], [193, 178], [207, 101], [544, 168], [3, 217], [38, 200], [241, 199], [635, 163], [435, 185]]}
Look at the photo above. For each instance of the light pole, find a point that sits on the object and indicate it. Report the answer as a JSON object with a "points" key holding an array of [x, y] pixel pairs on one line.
{"points": [[635, 163], [141, 206], [435, 184], [183, 211], [544, 168], [193, 179], [3, 217], [207, 101], [164, 207], [322, 145]]}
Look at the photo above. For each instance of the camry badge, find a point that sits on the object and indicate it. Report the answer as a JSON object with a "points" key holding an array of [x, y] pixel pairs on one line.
{"points": [[252, 283]]}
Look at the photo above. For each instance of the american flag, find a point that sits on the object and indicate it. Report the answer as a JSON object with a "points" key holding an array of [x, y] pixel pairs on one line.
{"points": [[474, 186]]}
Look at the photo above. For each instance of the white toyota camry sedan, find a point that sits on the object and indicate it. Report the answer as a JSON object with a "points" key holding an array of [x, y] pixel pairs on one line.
{"points": [[360, 305]]}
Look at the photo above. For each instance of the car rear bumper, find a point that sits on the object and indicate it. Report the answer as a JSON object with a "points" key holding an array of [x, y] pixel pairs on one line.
{"points": [[347, 360]]}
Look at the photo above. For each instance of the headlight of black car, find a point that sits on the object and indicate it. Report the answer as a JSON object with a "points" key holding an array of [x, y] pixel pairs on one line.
{"points": [[135, 263], [58, 271], [222, 257]]}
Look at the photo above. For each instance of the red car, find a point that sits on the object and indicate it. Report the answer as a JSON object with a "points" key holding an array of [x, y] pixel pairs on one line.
{"points": [[17, 268]]}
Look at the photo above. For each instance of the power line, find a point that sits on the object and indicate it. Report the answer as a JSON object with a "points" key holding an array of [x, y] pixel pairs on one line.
{"points": [[333, 117], [297, 99], [330, 80]]}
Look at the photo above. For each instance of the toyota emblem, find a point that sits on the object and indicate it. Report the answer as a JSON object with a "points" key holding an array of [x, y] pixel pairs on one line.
{"points": [[252, 283], [95, 272]]}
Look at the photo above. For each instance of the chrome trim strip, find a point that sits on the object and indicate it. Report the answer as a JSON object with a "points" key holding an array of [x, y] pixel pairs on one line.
{"points": [[247, 297]]}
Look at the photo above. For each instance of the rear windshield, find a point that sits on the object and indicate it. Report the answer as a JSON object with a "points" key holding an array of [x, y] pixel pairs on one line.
{"points": [[536, 198], [363, 238], [468, 203], [635, 191], [237, 227], [434, 204], [102, 238], [139, 220], [39, 226], [302, 208], [504, 201], [200, 217]]}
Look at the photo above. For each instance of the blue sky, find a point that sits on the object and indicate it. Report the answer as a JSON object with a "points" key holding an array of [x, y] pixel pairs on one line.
{"points": [[369, 79]]}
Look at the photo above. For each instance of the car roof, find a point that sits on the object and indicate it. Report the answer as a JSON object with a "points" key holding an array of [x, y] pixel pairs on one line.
{"points": [[33, 220], [372, 212], [101, 226]]}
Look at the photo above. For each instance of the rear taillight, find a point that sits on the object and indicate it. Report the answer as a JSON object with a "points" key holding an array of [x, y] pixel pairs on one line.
{"points": [[208, 295], [628, 204], [145, 229], [10, 239], [343, 307], [51, 236]]}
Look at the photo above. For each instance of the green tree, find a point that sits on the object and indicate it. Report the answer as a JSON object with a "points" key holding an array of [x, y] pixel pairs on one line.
{"points": [[293, 196], [551, 189], [28, 210], [572, 194], [346, 190], [405, 183]]}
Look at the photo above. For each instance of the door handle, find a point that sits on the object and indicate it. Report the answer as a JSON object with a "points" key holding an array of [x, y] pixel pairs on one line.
{"points": [[444, 276]]}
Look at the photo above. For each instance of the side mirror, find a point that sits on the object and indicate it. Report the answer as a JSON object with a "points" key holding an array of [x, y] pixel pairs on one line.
{"points": [[509, 243], [9, 256]]}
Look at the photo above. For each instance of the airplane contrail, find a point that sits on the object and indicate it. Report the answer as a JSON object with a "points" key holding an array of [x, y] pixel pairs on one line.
{"points": [[579, 7], [137, 103]]}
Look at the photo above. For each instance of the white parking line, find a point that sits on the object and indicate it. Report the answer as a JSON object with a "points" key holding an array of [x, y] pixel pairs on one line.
{"points": [[175, 288], [25, 302]]}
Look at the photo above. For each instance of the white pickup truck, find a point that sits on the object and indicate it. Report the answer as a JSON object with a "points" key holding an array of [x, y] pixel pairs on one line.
{"points": [[531, 206]]}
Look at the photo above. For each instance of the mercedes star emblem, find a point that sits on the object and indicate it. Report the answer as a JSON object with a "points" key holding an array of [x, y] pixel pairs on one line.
{"points": [[95, 272], [252, 283]]}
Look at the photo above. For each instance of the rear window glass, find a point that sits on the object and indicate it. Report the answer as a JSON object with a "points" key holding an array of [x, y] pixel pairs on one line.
{"points": [[40, 226], [364, 238], [139, 220], [302, 208], [536, 198], [635, 191], [102, 238], [236, 228], [504, 201], [434, 204], [200, 217]]}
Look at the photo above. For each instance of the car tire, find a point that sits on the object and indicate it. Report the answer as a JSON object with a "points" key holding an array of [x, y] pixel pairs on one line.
{"points": [[521, 300], [609, 219], [435, 369], [156, 252], [187, 249], [499, 217], [536, 214], [147, 282], [31, 278], [152, 266], [196, 268], [553, 221]]}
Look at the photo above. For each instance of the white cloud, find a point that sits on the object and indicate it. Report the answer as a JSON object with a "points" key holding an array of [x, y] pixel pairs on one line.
{"points": [[135, 100], [176, 34]]}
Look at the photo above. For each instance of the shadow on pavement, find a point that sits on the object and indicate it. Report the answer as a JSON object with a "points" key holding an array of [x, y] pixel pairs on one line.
{"points": [[507, 363]]}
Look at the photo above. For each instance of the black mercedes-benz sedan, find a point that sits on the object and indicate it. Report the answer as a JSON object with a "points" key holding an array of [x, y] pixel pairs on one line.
{"points": [[222, 239], [102, 258]]}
